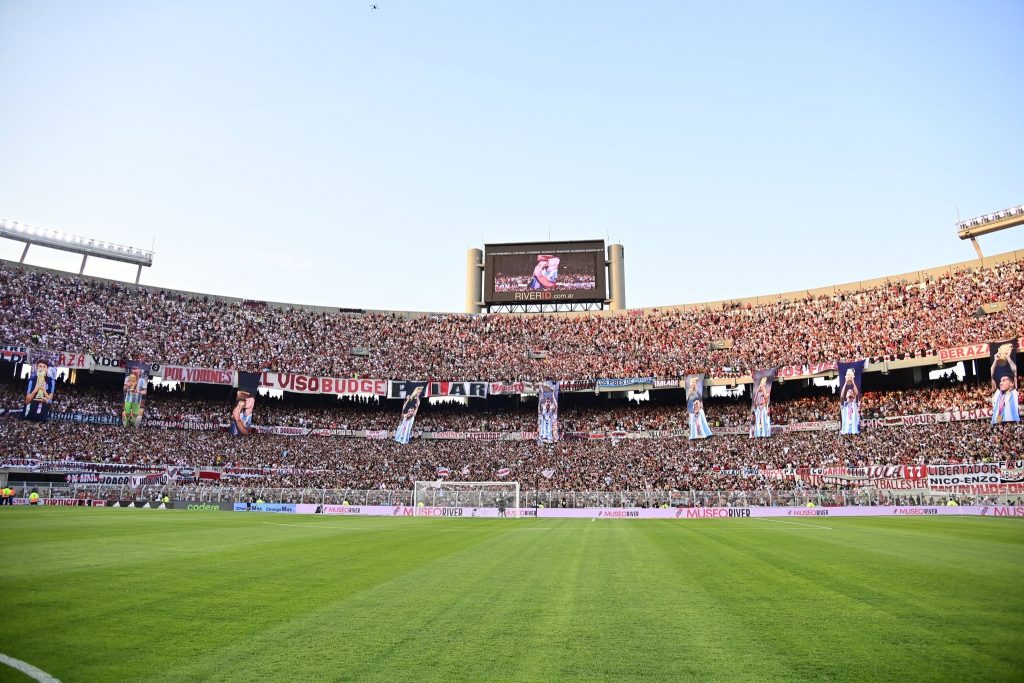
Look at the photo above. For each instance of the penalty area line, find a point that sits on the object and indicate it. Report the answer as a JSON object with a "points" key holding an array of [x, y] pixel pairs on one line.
{"points": [[27, 669], [782, 521]]}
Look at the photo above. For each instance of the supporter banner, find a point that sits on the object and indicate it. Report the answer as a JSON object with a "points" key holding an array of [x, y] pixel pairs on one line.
{"points": [[403, 388], [22, 463], [75, 361], [306, 384], [625, 383], [480, 436], [185, 424], [13, 353], [798, 371], [547, 412], [897, 484], [499, 388], [466, 389], [983, 489], [281, 430], [850, 375], [699, 428], [959, 353], [1012, 472], [670, 383], [85, 418], [105, 363], [1004, 381], [109, 479], [576, 385], [191, 375], [761, 398], [963, 475], [409, 409]]}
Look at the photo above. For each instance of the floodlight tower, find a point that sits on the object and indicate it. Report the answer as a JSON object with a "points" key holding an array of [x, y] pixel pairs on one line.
{"points": [[973, 228], [87, 247]]}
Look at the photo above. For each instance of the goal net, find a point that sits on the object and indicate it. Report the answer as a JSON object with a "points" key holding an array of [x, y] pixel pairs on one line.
{"points": [[502, 495]]}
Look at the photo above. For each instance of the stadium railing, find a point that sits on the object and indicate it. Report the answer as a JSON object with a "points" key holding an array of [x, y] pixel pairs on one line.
{"points": [[529, 499]]}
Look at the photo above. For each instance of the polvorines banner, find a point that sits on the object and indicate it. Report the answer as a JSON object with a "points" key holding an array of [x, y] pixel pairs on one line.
{"points": [[191, 375], [850, 375]]}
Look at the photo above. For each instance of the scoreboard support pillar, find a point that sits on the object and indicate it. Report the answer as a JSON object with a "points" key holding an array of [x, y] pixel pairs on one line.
{"points": [[474, 281], [616, 277]]}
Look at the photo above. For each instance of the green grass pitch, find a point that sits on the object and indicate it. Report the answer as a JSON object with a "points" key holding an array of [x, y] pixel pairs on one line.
{"points": [[112, 595]]}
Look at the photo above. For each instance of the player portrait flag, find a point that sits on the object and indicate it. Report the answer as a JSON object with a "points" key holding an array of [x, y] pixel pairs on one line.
{"points": [[42, 385], [245, 402], [136, 382], [850, 375], [547, 412], [699, 428], [761, 399], [413, 393], [1005, 398]]}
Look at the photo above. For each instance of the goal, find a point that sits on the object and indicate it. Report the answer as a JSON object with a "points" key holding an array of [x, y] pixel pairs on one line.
{"points": [[471, 494]]}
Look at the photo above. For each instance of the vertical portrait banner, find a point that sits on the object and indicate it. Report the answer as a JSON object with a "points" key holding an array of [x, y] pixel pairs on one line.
{"points": [[761, 400], [850, 375], [1005, 398], [413, 392], [136, 383], [42, 385], [245, 402], [547, 412], [699, 428]]}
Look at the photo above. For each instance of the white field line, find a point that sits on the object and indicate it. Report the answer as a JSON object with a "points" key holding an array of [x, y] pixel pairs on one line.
{"points": [[27, 669], [782, 521]]}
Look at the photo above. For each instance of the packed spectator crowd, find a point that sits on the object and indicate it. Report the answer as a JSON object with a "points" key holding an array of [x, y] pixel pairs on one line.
{"points": [[721, 462], [68, 313], [509, 415]]}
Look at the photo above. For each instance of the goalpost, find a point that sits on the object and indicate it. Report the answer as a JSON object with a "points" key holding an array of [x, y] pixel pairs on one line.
{"points": [[473, 494]]}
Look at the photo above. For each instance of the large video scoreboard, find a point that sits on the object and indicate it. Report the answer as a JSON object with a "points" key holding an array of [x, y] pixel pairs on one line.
{"points": [[545, 272]]}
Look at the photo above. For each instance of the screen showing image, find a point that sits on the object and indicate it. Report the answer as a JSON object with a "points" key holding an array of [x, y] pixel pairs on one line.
{"points": [[545, 271]]}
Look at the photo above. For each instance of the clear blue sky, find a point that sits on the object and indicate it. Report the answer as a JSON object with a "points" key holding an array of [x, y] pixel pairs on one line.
{"points": [[328, 153]]}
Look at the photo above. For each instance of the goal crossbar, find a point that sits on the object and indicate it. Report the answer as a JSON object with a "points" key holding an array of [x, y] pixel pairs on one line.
{"points": [[503, 495]]}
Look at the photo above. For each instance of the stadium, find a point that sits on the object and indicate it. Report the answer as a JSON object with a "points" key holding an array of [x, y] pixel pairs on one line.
{"points": [[550, 484]]}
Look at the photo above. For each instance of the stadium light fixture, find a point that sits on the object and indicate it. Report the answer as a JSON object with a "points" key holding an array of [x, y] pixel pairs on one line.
{"points": [[972, 228], [75, 244]]}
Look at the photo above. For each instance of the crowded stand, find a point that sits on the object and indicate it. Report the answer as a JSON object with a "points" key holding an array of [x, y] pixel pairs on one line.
{"points": [[61, 311], [609, 444]]}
